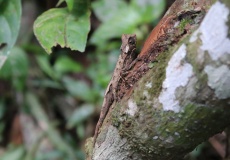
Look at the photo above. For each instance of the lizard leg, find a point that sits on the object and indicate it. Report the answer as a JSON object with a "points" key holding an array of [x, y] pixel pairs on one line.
{"points": [[125, 80]]}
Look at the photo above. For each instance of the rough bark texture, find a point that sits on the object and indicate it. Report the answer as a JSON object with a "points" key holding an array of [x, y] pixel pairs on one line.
{"points": [[183, 98]]}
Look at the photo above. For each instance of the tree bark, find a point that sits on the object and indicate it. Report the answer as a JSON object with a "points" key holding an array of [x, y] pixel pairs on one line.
{"points": [[181, 91]]}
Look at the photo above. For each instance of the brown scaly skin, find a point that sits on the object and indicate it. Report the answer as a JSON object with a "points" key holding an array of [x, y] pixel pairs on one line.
{"points": [[126, 57]]}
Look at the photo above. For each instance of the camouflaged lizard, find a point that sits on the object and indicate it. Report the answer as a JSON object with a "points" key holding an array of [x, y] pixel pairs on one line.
{"points": [[126, 57]]}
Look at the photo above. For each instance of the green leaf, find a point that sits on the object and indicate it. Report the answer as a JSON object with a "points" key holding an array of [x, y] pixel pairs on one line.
{"points": [[52, 154], [61, 27], [10, 17], [44, 64], [81, 131], [65, 64], [79, 89], [105, 10], [13, 154], [123, 18], [16, 68], [53, 135], [116, 26], [70, 4], [149, 10], [80, 115], [47, 83]]}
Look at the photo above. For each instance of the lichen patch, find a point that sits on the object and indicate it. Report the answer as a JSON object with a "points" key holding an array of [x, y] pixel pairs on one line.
{"points": [[178, 73], [149, 85], [213, 31], [218, 80], [132, 107]]}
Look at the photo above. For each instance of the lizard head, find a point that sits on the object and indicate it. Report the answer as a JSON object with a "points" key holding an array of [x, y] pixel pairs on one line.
{"points": [[128, 42]]}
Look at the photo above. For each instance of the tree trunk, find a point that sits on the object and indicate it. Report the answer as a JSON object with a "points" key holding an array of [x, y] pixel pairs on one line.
{"points": [[181, 88]]}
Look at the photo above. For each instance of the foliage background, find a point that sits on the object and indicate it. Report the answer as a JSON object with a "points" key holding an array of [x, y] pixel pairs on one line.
{"points": [[49, 104]]}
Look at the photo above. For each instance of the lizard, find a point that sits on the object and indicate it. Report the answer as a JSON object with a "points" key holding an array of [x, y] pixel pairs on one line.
{"points": [[126, 57]]}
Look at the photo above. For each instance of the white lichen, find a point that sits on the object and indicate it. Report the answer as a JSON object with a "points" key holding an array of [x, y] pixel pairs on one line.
{"points": [[149, 85], [146, 94], [178, 73], [213, 31], [177, 134], [169, 139], [218, 80], [132, 107]]}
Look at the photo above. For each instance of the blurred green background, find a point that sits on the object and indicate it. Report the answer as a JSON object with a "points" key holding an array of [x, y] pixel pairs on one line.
{"points": [[50, 104]]}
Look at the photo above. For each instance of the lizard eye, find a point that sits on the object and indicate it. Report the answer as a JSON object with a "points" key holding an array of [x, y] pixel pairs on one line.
{"points": [[131, 41]]}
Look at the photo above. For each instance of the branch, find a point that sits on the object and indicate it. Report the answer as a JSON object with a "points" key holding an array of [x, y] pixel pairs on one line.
{"points": [[181, 88]]}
